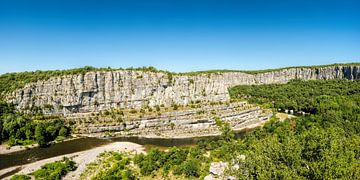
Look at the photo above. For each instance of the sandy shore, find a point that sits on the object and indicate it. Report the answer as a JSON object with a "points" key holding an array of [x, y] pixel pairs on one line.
{"points": [[81, 158], [4, 149]]}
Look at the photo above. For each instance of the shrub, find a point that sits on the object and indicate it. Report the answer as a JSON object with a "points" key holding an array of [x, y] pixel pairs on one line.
{"points": [[190, 168], [20, 177], [133, 111], [55, 170], [63, 132]]}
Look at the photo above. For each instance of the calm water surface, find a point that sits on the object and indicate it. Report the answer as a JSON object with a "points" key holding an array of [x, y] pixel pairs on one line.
{"points": [[35, 154]]}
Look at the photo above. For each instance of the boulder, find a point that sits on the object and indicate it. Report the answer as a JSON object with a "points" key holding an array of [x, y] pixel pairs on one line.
{"points": [[218, 168]]}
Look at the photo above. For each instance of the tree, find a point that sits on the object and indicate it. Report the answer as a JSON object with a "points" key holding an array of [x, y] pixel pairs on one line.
{"points": [[227, 133], [51, 132], [63, 132], [40, 135]]}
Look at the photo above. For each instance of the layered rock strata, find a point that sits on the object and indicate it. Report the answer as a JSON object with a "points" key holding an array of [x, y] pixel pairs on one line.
{"points": [[177, 124]]}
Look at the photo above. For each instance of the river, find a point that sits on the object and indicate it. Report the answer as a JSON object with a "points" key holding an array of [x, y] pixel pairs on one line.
{"points": [[81, 144]]}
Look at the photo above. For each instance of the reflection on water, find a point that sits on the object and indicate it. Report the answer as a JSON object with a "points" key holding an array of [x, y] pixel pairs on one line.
{"points": [[35, 154]]}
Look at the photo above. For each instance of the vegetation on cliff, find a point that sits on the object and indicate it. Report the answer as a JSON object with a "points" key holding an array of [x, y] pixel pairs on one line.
{"points": [[9, 82], [265, 70]]}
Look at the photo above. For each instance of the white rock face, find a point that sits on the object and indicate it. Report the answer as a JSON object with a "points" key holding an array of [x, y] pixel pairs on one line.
{"points": [[218, 168], [217, 172], [101, 90], [210, 177]]}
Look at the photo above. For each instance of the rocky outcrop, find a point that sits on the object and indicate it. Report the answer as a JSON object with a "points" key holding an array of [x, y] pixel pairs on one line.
{"points": [[175, 124], [222, 170], [95, 91], [217, 171]]}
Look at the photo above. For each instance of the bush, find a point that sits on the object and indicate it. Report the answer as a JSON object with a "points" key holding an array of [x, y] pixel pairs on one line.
{"points": [[133, 111], [175, 107], [63, 132], [190, 168], [55, 170], [20, 177]]}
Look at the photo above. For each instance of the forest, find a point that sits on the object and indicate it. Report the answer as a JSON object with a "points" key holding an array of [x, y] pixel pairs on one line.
{"points": [[18, 128], [325, 144]]}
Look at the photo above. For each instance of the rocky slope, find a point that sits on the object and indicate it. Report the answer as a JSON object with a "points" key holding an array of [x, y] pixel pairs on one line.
{"points": [[95, 91], [181, 123]]}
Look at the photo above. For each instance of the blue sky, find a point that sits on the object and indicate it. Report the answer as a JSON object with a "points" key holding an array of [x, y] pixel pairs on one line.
{"points": [[175, 35]]}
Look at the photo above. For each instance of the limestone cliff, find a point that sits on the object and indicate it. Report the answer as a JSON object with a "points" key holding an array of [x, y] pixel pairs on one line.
{"points": [[95, 91]]}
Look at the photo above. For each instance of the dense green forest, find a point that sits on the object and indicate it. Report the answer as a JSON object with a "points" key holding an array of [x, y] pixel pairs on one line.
{"points": [[21, 129], [322, 145]]}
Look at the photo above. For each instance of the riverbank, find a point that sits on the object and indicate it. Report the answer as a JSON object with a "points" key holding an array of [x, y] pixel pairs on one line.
{"points": [[5, 149], [211, 132], [81, 158]]}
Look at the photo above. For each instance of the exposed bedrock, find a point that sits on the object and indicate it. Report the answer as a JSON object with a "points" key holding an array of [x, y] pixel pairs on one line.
{"points": [[181, 123], [95, 91]]}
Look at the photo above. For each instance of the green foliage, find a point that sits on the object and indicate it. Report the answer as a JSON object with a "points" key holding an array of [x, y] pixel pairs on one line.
{"points": [[214, 71], [157, 107], [299, 95], [191, 168], [118, 169], [18, 129], [133, 111], [191, 81], [175, 106], [55, 170], [322, 145], [63, 131], [178, 160], [40, 135], [20, 177]]}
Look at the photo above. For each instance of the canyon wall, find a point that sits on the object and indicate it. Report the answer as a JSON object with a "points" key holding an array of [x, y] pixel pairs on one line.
{"points": [[95, 91]]}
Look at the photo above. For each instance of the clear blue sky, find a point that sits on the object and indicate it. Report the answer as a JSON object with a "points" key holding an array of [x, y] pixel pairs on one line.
{"points": [[177, 35]]}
